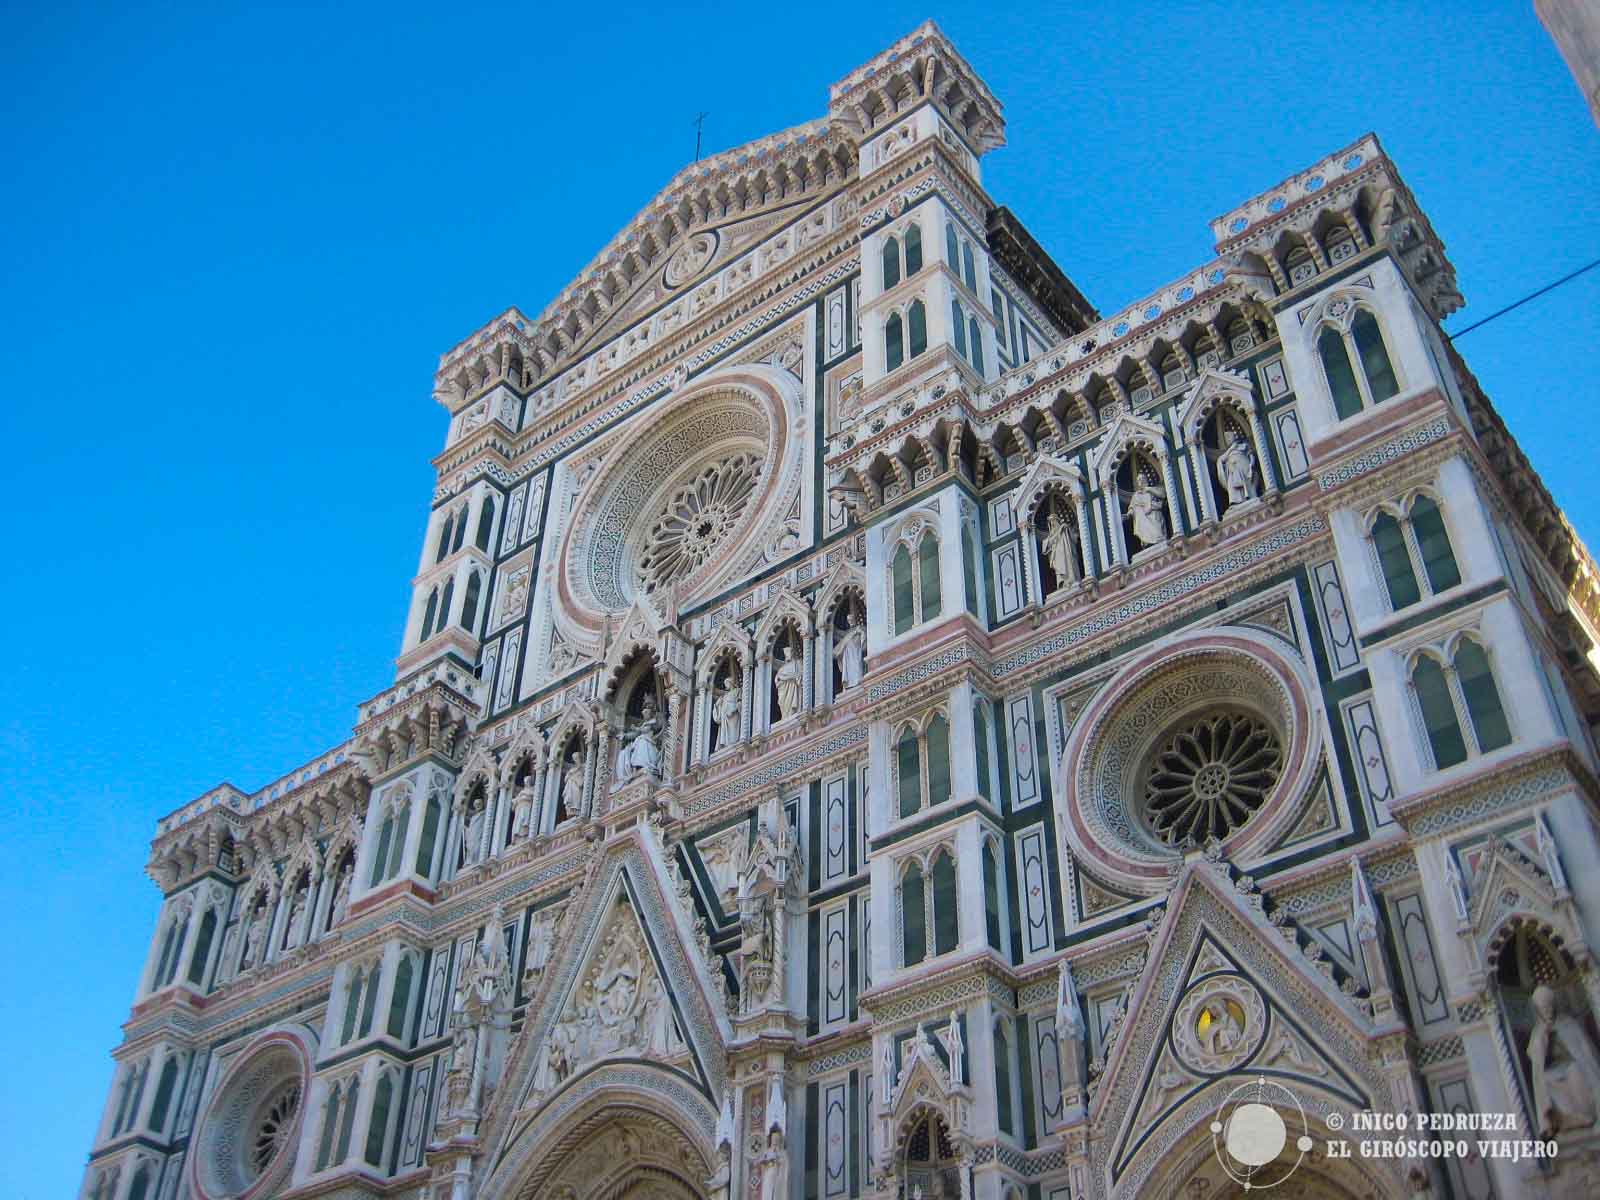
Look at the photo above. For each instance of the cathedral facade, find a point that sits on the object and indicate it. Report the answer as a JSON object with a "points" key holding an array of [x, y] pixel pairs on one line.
{"points": [[868, 724]]}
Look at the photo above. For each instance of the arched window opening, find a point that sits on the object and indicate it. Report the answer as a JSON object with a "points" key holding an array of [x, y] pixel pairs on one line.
{"points": [[1438, 713], [369, 1003], [160, 977], [938, 743], [347, 1121], [485, 524], [397, 847], [445, 531], [1489, 726], [461, 529], [908, 772], [1395, 557], [913, 250], [140, 1190], [202, 947], [894, 345], [352, 1006], [380, 860], [900, 580], [952, 252], [401, 1000], [946, 926], [1002, 1076], [378, 1125], [914, 918], [991, 897], [1381, 381], [917, 328], [958, 327], [1341, 376], [469, 605], [1433, 542], [164, 1085], [969, 272], [428, 615], [980, 737], [891, 262], [330, 1123], [969, 569], [976, 336], [928, 571], [445, 601]]}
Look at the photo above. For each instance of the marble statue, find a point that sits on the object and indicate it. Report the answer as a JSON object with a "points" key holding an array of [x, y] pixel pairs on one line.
{"points": [[1149, 523], [522, 812], [850, 651], [786, 678], [1236, 469], [725, 711], [1565, 1066], [1057, 547], [572, 786], [642, 751]]}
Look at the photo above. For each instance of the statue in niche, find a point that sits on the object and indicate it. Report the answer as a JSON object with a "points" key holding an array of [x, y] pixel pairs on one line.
{"points": [[1057, 546], [1565, 1066], [472, 833], [293, 934], [725, 713], [458, 1074], [641, 749], [850, 650], [786, 679], [1149, 521], [956, 1048], [341, 893], [541, 944], [255, 937], [522, 811], [571, 787], [1236, 469]]}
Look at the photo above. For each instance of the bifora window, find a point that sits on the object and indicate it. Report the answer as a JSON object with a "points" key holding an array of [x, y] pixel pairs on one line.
{"points": [[1344, 350], [1414, 552], [1459, 703], [1209, 776]]}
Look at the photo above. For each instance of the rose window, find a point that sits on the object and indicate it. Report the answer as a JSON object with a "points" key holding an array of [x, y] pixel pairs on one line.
{"points": [[1211, 776], [274, 1127], [698, 519]]}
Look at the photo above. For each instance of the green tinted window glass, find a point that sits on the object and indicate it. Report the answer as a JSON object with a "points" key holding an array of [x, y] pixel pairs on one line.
{"points": [[1483, 698], [1398, 574], [1438, 714], [1341, 376]]}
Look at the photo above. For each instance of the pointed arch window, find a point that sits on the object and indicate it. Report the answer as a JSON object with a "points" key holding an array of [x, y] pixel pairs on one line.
{"points": [[347, 1121], [969, 271], [980, 737], [946, 927], [369, 1003], [378, 1124], [913, 250], [202, 947], [958, 327], [164, 1085], [141, 1184], [1343, 351], [922, 766], [485, 524], [952, 249], [1002, 1076], [917, 328], [445, 603], [159, 978], [432, 814], [891, 262], [901, 590], [894, 343], [928, 576], [352, 1006], [914, 923], [1414, 552], [969, 569], [975, 335], [428, 615], [908, 772], [991, 897], [1459, 703], [330, 1123], [461, 529], [445, 531], [937, 750], [400, 1001], [469, 604]]}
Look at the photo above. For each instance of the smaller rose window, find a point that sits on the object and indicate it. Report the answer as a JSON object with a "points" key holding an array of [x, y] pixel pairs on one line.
{"points": [[697, 520], [274, 1127], [1210, 776]]}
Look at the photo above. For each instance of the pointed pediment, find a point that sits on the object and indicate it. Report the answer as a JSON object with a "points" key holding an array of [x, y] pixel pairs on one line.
{"points": [[604, 997], [1046, 472], [1214, 384], [847, 574], [1501, 878], [728, 635], [785, 606], [1127, 430], [1225, 996]]}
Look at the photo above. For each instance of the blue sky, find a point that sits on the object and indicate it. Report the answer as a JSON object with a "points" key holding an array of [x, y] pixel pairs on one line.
{"points": [[235, 242]]}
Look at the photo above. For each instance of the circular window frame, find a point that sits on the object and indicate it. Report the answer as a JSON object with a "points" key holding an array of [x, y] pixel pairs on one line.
{"points": [[1104, 762], [1233, 709], [225, 1138]]}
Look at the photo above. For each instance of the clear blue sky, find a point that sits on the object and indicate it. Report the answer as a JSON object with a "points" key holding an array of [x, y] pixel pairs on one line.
{"points": [[235, 242]]}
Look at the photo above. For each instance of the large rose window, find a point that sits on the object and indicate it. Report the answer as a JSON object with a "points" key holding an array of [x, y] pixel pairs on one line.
{"points": [[697, 519], [246, 1141], [273, 1126], [1209, 776]]}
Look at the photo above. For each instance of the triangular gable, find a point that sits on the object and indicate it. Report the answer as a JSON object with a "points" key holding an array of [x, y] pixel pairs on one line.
{"points": [[1047, 471], [785, 606], [1226, 995], [1213, 386], [623, 900], [1127, 430], [846, 574], [728, 635]]}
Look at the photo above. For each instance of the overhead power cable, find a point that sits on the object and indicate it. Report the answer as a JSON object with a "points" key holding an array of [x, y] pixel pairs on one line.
{"points": [[1549, 287]]}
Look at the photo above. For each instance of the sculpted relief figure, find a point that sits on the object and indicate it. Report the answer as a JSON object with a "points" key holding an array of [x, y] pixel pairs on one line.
{"points": [[850, 651], [1149, 522], [572, 787], [1236, 469], [341, 893], [522, 811], [472, 835], [1565, 1066], [255, 937], [641, 749]]}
